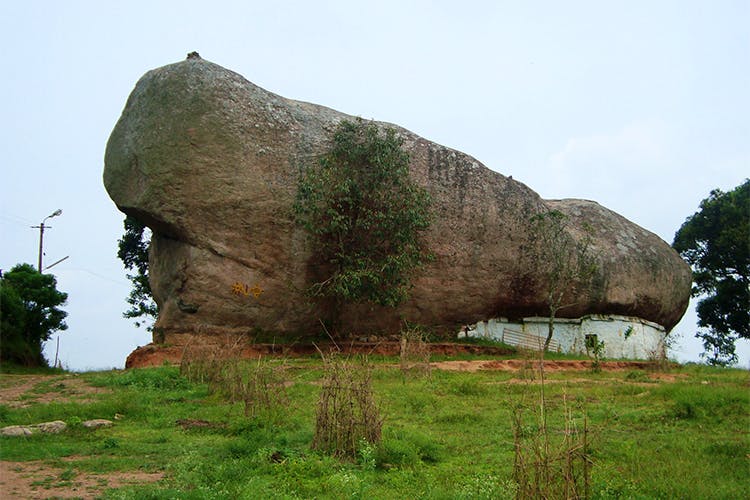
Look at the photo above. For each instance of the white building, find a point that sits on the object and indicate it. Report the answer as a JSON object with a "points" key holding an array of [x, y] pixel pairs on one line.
{"points": [[623, 336]]}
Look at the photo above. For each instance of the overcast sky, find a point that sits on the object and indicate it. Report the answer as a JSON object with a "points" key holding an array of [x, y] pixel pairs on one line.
{"points": [[642, 106]]}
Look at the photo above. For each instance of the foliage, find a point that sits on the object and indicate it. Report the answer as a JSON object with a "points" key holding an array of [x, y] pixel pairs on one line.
{"points": [[715, 242], [718, 349], [132, 249], [628, 332], [365, 215], [595, 348], [567, 266], [29, 314]]}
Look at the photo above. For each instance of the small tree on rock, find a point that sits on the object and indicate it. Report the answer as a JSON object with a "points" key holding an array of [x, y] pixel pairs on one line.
{"points": [[566, 266], [365, 215]]}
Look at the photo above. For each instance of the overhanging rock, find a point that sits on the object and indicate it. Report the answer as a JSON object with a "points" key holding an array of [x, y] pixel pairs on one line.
{"points": [[210, 162]]}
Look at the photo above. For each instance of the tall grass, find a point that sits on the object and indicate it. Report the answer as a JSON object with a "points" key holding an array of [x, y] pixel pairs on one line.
{"points": [[549, 462], [260, 385], [414, 353]]}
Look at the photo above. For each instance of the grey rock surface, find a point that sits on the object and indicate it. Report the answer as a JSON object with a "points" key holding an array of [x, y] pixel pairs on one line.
{"points": [[97, 423], [210, 162], [16, 430], [54, 427]]}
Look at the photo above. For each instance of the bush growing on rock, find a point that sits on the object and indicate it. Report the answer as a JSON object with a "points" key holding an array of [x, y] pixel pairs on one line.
{"points": [[365, 216]]}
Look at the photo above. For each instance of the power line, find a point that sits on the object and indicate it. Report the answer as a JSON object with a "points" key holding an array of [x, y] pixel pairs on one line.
{"points": [[95, 274], [16, 219]]}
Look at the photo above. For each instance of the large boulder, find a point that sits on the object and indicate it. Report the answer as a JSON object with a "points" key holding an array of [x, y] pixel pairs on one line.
{"points": [[210, 162]]}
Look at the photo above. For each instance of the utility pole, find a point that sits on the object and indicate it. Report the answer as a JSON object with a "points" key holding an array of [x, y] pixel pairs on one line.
{"points": [[41, 235]]}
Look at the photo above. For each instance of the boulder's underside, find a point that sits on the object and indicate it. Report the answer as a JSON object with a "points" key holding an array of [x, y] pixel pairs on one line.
{"points": [[210, 162]]}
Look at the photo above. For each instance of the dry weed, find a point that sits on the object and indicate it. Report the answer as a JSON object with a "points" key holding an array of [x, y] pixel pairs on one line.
{"points": [[346, 414]]}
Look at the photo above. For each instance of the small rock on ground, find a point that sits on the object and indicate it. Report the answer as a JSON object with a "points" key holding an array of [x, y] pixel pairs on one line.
{"points": [[96, 423], [54, 427]]}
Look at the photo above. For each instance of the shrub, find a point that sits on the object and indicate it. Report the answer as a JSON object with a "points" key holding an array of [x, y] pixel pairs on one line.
{"points": [[365, 215], [414, 355], [346, 415], [260, 385], [595, 348], [548, 466], [550, 463]]}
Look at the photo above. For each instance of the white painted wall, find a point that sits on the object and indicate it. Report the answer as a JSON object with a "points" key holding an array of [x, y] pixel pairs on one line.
{"points": [[623, 336]]}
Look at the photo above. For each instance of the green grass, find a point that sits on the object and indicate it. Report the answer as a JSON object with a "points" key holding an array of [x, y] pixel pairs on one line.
{"points": [[13, 368], [446, 436]]}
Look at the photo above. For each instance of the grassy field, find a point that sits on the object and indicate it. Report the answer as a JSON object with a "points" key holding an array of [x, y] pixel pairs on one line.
{"points": [[680, 434]]}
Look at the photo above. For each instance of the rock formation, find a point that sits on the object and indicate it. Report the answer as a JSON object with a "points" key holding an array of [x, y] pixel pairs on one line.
{"points": [[210, 162]]}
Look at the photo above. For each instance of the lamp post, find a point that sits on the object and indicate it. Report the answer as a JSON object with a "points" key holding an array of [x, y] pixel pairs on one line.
{"points": [[41, 234]]}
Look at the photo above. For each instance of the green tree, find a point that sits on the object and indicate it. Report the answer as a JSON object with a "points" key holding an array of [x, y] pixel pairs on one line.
{"points": [[29, 314], [132, 249], [567, 266], [715, 241], [365, 215]]}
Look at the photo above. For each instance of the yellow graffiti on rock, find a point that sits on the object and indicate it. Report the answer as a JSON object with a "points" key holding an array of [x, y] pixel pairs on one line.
{"points": [[241, 289]]}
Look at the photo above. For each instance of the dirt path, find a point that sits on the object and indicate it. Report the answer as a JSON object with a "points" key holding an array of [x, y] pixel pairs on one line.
{"points": [[19, 391], [549, 365], [157, 355], [35, 479]]}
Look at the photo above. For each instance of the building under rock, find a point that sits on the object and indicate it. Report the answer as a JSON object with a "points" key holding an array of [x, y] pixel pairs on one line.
{"points": [[623, 337]]}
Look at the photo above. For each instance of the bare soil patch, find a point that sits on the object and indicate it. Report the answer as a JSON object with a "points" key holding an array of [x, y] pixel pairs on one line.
{"points": [[19, 391], [35, 479], [157, 355], [549, 365]]}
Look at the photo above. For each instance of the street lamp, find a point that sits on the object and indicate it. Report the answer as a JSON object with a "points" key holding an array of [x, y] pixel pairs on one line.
{"points": [[41, 234]]}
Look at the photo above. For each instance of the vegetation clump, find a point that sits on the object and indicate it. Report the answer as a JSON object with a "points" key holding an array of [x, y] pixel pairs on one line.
{"points": [[260, 385], [347, 417], [567, 266], [365, 215], [715, 241], [414, 352], [29, 314], [133, 250]]}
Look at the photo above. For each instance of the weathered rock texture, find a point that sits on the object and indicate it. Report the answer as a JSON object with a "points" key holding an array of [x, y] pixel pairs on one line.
{"points": [[211, 162], [55, 427]]}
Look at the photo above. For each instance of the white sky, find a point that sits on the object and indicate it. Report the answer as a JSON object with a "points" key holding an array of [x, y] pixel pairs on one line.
{"points": [[642, 106]]}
